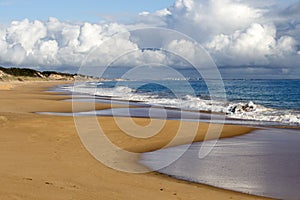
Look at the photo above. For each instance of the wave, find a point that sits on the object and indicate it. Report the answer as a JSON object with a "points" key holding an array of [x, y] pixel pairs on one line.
{"points": [[238, 110]]}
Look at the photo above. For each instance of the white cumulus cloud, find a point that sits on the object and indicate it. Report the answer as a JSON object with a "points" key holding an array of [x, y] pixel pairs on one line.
{"points": [[257, 45], [235, 32]]}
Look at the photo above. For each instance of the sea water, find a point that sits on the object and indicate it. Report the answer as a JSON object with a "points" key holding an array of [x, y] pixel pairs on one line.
{"points": [[258, 100], [264, 162]]}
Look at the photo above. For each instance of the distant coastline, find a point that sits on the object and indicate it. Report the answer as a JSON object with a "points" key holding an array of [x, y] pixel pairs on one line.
{"points": [[26, 74]]}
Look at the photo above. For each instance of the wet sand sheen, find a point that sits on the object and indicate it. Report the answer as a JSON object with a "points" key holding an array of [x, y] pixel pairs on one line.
{"points": [[265, 162], [43, 158]]}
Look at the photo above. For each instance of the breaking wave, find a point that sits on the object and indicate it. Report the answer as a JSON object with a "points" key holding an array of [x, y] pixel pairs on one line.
{"points": [[238, 110]]}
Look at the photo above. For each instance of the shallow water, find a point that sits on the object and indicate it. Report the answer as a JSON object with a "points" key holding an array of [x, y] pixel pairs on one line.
{"points": [[161, 113], [265, 163]]}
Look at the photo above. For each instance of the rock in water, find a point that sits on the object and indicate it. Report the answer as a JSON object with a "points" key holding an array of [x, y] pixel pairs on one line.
{"points": [[241, 107]]}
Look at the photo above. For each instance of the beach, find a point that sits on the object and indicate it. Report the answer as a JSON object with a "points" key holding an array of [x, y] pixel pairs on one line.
{"points": [[42, 156]]}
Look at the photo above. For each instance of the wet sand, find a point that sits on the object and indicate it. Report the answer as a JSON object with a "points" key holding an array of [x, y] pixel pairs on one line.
{"points": [[42, 156], [265, 162]]}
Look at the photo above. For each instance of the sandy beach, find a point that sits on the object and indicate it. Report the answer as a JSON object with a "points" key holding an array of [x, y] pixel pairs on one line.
{"points": [[42, 156]]}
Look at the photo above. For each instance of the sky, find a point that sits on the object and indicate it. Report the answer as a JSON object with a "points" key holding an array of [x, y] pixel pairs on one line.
{"points": [[243, 37], [77, 10]]}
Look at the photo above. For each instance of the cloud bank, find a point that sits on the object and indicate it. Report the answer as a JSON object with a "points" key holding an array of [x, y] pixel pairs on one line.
{"points": [[235, 33]]}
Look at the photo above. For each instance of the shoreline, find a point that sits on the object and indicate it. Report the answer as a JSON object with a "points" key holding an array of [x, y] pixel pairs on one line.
{"points": [[39, 173], [261, 169]]}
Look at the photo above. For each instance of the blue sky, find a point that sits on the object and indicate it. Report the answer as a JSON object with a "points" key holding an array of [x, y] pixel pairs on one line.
{"points": [[82, 10], [245, 36]]}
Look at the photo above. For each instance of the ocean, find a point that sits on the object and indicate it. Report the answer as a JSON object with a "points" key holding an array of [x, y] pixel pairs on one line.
{"points": [[264, 162], [274, 102]]}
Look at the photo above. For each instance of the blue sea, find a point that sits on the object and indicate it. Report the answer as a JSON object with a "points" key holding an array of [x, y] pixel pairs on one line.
{"points": [[264, 162], [276, 101]]}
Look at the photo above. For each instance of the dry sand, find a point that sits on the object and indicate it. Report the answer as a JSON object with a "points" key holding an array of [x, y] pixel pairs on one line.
{"points": [[9, 85], [42, 156]]}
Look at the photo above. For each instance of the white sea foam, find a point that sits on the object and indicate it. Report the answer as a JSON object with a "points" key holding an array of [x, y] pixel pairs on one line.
{"points": [[239, 110]]}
